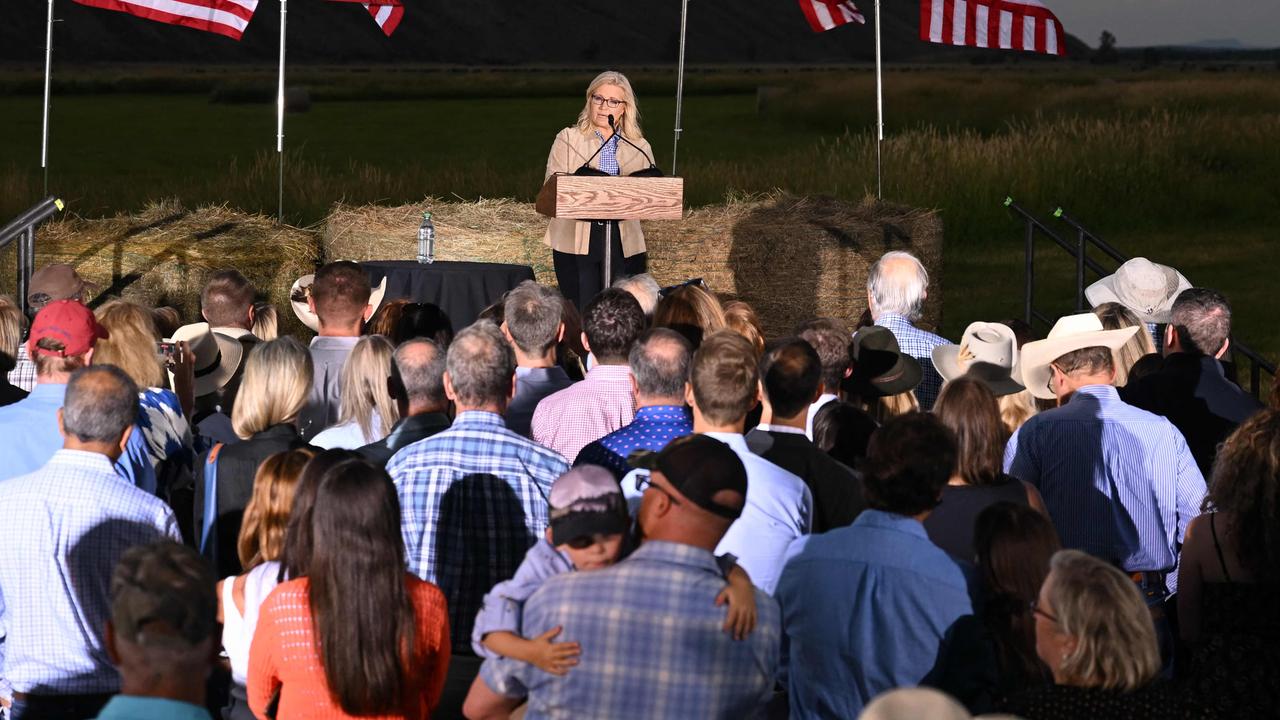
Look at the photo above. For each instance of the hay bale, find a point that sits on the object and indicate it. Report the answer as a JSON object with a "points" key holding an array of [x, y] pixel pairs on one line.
{"points": [[791, 257], [163, 255]]}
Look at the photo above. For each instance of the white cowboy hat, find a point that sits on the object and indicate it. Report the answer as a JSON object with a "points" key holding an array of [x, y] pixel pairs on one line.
{"points": [[301, 290], [1146, 288], [218, 356], [988, 352], [1070, 333]]}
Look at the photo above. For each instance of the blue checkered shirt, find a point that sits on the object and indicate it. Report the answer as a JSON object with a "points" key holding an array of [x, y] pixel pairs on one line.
{"points": [[67, 524], [23, 374], [653, 643], [919, 344], [473, 498], [608, 160]]}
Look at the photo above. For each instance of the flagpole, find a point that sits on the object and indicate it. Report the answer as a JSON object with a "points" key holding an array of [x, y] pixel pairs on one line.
{"points": [[684, 23], [284, 11], [879, 108], [48, 80]]}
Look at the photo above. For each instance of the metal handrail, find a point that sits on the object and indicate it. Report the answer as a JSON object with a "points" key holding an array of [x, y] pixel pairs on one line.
{"points": [[23, 229]]}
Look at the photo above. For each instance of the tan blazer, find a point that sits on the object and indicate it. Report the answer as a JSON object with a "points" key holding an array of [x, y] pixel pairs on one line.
{"points": [[571, 148]]}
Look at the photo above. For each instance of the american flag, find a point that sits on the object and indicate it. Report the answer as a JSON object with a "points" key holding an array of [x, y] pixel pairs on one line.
{"points": [[827, 14], [1004, 24], [224, 17], [387, 13]]}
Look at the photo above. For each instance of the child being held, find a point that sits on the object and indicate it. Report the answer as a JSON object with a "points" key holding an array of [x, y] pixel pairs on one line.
{"points": [[588, 527]]}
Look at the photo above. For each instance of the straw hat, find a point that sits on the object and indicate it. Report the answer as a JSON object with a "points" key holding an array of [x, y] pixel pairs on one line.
{"points": [[1070, 333], [987, 352], [1146, 288], [301, 291], [218, 356], [880, 368]]}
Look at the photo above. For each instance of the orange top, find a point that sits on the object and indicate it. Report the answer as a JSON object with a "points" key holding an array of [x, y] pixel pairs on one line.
{"points": [[284, 652]]}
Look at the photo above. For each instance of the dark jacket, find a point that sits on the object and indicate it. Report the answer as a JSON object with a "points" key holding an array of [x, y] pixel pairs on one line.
{"points": [[237, 466], [838, 495], [405, 433], [1194, 394]]}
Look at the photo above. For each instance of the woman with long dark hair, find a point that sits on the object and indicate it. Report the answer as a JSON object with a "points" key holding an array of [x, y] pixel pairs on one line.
{"points": [[357, 636]]}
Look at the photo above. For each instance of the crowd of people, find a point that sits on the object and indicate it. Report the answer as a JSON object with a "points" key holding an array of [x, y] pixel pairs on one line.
{"points": [[645, 506]]}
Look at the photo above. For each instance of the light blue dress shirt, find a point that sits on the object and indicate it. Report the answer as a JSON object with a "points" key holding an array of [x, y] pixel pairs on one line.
{"points": [[67, 525], [29, 437], [864, 610], [504, 604], [1120, 483]]}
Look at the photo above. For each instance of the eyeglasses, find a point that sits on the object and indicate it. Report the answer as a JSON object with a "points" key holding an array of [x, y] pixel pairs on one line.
{"points": [[644, 481], [1052, 373], [612, 103], [1034, 607]]}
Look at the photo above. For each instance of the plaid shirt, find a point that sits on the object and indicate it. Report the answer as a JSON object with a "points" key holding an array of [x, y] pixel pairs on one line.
{"points": [[919, 344], [23, 374], [609, 154], [473, 498], [67, 524], [653, 643], [586, 411]]}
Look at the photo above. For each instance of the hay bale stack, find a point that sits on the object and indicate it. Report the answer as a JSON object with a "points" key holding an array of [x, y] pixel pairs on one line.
{"points": [[163, 255], [792, 258]]}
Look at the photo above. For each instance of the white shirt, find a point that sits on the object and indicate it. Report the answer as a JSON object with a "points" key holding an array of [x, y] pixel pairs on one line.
{"points": [[814, 407], [348, 436], [767, 427]]}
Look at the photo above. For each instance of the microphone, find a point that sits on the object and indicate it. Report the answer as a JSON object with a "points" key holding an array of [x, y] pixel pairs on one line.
{"points": [[652, 170], [586, 168]]}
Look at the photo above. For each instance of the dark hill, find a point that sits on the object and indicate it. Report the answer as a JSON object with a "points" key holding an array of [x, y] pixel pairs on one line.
{"points": [[497, 32]]}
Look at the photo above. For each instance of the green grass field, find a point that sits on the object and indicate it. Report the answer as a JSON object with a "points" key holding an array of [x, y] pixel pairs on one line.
{"points": [[1180, 165]]}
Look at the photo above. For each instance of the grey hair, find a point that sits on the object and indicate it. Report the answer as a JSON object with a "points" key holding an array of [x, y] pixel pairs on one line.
{"points": [[421, 374], [1202, 319], [644, 289], [660, 363], [481, 364], [533, 313], [894, 294], [101, 401]]}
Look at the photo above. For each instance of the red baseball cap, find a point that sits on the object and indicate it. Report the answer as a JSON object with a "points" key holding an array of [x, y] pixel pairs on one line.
{"points": [[70, 323]]}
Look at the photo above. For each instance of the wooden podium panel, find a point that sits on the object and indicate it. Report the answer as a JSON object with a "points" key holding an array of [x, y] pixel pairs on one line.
{"points": [[602, 197]]}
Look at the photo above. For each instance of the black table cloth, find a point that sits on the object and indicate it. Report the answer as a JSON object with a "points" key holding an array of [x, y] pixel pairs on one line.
{"points": [[461, 289]]}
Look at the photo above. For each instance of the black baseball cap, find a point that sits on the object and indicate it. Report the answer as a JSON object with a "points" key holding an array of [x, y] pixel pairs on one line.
{"points": [[699, 467]]}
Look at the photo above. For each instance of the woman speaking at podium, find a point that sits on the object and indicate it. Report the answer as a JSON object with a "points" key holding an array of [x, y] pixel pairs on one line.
{"points": [[596, 141]]}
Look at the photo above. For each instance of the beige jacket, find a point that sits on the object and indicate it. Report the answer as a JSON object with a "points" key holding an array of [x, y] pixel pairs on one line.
{"points": [[571, 148]]}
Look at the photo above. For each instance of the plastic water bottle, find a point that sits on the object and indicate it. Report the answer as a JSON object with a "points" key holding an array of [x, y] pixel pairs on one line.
{"points": [[426, 240]]}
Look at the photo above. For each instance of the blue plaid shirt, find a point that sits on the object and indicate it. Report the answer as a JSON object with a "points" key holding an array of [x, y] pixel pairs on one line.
{"points": [[919, 344], [608, 160], [652, 428], [473, 498], [67, 524], [653, 643]]}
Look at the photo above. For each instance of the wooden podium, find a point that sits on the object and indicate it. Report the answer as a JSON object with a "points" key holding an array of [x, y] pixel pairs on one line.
{"points": [[606, 197]]}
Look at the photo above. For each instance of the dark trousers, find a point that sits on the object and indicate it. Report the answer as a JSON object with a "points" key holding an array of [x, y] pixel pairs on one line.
{"points": [[57, 707], [581, 277]]}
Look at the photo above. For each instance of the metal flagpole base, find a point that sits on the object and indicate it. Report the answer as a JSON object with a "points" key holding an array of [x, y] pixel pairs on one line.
{"points": [[608, 255]]}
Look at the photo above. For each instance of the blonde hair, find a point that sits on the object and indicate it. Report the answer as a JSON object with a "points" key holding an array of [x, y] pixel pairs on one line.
{"points": [[630, 118], [10, 333], [1103, 610], [690, 305], [742, 319], [267, 514], [1016, 409], [266, 321], [275, 386], [1115, 316], [886, 407], [132, 342], [364, 387]]}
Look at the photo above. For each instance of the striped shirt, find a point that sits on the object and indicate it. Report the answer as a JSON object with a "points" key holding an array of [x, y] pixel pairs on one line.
{"points": [[473, 498], [66, 526], [1120, 483], [919, 344], [653, 643]]}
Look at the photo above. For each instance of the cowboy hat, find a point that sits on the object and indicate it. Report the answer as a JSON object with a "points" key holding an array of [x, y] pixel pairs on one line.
{"points": [[988, 352], [879, 367], [301, 290], [218, 356], [1146, 288], [1070, 333]]}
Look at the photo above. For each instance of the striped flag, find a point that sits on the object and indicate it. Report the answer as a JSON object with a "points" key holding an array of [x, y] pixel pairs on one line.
{"points": [[387, 15], [224, 17], [1003, 24], [827, 14]]}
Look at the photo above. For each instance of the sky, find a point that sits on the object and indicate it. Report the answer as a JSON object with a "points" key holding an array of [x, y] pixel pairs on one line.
{"points": [[1169, 22]]}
